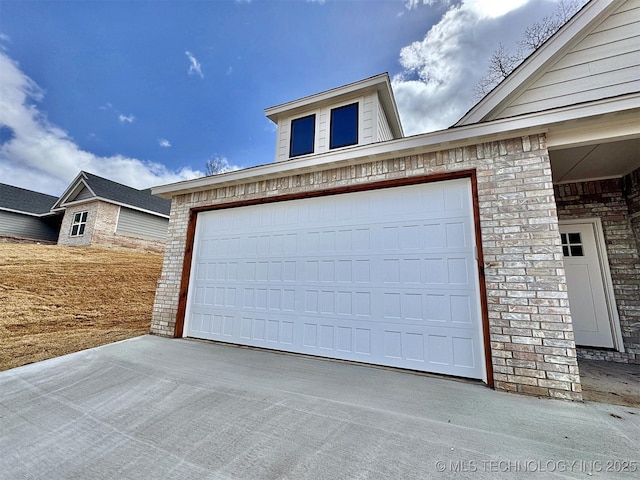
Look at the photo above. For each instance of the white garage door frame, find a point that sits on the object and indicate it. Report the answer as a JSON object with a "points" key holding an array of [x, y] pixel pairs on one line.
{"points": [[187, 297]]}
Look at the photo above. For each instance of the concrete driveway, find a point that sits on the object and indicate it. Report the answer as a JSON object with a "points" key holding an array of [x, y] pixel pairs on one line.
{"points": [[157, 408]]}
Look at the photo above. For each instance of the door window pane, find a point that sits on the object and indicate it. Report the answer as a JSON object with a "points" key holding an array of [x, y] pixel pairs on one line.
{"points": [[572, 245]]}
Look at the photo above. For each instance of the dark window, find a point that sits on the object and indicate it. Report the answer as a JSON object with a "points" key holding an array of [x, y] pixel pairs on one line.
{"points": [[302, 135], [78, 224], [572, 245], [344, 126]]}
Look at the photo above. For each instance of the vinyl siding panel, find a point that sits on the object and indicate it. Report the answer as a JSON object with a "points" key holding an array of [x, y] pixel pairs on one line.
{"points": [[604, 64], [25, 226], [367, 118], [322, 130], [140, 224], [282, 142], [83, 194], [384, 131]]}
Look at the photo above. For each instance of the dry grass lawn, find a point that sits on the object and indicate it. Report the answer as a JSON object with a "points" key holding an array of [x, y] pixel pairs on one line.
{"points": [[56, 300]]}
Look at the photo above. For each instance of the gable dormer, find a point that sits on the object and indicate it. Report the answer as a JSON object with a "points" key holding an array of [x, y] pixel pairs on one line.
{"points": [[360, 113]]}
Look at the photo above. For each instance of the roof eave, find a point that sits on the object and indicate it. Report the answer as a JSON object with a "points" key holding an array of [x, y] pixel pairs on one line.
{"points": [[113, 202], [380, 82], [525, 73], [538, 122]]}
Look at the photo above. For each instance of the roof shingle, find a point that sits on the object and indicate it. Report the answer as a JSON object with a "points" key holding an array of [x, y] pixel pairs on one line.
{"points": [[110, 190], [23, 200]]}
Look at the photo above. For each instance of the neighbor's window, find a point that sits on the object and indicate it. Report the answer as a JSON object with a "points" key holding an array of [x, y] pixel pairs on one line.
{"points": [[344, 126], [79, 222], [302, 135]]}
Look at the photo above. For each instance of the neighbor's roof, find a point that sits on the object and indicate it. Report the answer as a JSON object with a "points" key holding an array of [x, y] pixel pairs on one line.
{"points": [[115, 192], [25, 201]]}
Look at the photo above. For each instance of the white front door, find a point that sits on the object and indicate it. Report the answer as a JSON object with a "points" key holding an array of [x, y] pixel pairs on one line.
{"points": [[586, 284]]}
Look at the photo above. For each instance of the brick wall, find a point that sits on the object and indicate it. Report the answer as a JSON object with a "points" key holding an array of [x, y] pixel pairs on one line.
{"points": [[532, 345], [102, 219], [617, 203], [65, 238]]}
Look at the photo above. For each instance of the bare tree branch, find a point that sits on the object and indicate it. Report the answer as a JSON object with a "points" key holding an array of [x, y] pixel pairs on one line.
{"points": [[502, 62], [215, 165]]}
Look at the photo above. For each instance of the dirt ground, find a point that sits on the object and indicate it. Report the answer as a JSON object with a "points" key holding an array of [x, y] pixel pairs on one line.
{"points": [[56, 300], [607, 382]]}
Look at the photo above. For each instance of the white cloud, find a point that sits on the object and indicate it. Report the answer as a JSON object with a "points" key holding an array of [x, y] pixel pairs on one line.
{"points": [[164, 143], [435, 87], [41, 156], [411, 4], [126, 118], [194, 68]]}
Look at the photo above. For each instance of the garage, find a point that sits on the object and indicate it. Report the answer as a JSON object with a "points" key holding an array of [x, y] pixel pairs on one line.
{"points": [[386, 276]]}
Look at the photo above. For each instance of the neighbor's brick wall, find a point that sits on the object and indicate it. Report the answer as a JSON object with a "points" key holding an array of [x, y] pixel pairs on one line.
{"points": [[65, 238], [102, 219], [532, 345], [617, 203]]}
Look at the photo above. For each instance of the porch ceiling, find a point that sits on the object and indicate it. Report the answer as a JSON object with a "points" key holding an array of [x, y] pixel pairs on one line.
{"points": [[596, 161]]}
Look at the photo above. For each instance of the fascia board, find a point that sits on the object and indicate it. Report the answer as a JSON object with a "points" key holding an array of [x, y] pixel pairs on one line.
{"points": [[622, 126], [539, 122], [21, 212], [528, 71], [50, 213], [390, 106], [273, 113], [120, 204]]}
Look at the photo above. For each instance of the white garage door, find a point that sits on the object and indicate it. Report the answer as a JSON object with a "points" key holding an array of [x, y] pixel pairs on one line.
{"points": [[384, 276]]}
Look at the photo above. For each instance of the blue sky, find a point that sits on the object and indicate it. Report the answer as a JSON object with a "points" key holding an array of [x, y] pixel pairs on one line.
{"points": [[144, 92]]}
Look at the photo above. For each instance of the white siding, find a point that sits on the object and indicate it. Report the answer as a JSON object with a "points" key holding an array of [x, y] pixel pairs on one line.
{"points": [[322, 130], [384, 131], [282, 142], [604, 64], [140, 224], [367, 119], [368, 128]]}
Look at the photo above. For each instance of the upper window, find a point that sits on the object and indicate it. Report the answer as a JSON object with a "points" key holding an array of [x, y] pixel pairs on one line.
{"points": [[302, 136], [344, 126], [79, 222]]}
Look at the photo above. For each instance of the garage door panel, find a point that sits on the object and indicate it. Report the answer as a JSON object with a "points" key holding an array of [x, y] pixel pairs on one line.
{"points": [[385, 276], [416, 347]]}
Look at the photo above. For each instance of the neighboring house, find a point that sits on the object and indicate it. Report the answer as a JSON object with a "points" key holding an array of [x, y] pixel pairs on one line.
{"points": [[486, 251], [101, 212], [26, 215]]}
